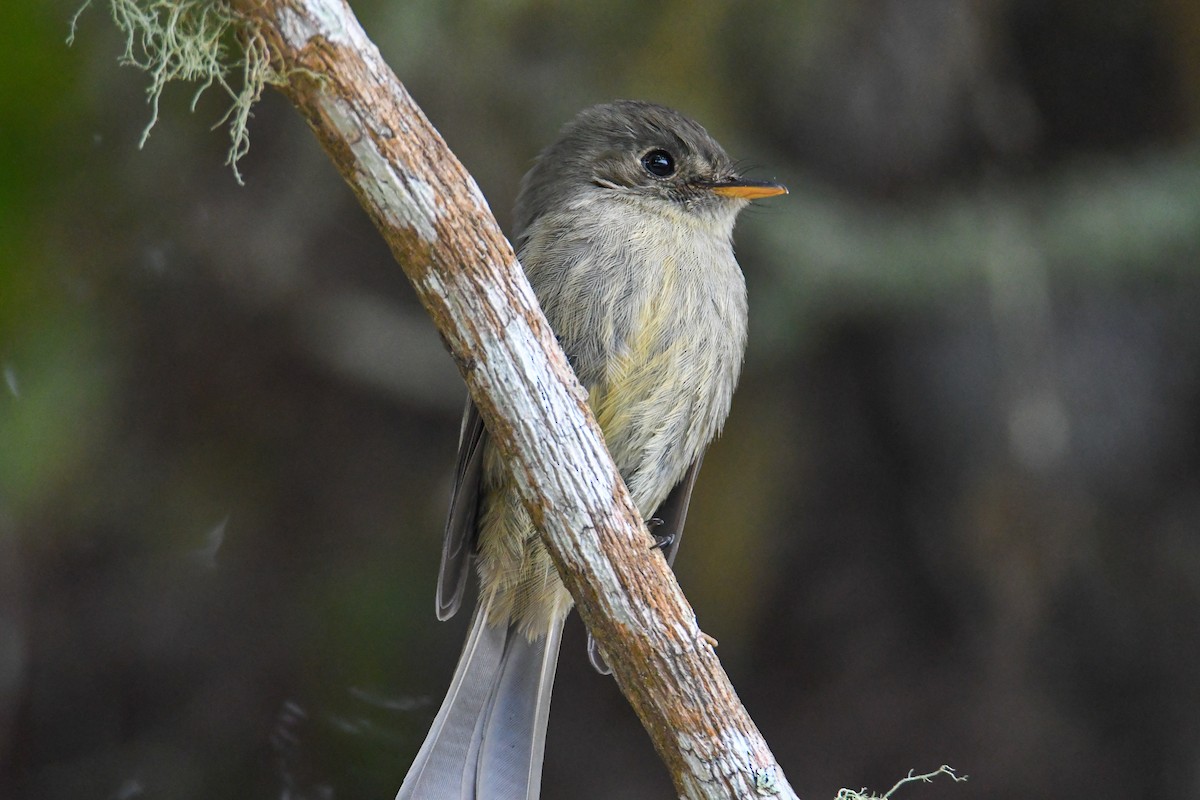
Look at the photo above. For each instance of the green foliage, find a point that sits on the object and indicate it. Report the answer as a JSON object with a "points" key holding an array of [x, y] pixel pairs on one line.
{"points": [[59, 387]]}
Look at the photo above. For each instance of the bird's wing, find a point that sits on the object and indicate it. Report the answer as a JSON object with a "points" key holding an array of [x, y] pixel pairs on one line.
{"points": [[672, 512], [458, 544], [674, 509]]}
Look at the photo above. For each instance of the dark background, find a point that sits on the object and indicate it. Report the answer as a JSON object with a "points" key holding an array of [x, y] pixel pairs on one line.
{"points": [[954, 518]]}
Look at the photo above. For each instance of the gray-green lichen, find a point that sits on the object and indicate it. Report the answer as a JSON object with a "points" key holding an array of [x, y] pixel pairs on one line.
{"points": [[196, 41], [862, 794]]}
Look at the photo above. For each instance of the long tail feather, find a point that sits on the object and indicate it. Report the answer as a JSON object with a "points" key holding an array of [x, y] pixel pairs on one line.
{"points": [[489, 736]]}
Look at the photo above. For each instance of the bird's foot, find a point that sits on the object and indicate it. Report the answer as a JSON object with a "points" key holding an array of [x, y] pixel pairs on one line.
{"points": [[661, 542]]}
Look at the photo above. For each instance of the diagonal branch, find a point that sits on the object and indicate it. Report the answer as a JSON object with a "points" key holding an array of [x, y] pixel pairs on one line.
{"points": [[439, 227]]}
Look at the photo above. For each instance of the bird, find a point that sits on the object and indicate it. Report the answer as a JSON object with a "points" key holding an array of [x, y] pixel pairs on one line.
{"points": [[624, 227]]}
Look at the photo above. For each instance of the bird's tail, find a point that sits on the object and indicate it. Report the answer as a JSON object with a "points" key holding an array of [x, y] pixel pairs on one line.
{"points": [[488, 737]]}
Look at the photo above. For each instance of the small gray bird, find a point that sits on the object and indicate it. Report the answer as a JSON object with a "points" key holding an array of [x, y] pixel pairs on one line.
{"points": [[624, 226]]}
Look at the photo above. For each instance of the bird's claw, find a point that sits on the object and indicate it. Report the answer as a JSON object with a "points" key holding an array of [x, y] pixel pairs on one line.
{"points": [[661, 542]]}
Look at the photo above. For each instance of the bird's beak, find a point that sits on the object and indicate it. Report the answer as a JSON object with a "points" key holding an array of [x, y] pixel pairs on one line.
{"points": [[747, 190]]}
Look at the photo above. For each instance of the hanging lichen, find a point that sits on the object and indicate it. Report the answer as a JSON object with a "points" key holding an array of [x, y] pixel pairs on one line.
{"points": [[200, 41]]}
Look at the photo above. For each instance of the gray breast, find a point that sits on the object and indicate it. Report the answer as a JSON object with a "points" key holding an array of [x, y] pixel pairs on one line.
{"points": [[652, 314]]}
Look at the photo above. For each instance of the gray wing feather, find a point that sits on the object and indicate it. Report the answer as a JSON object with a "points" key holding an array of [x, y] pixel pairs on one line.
{"points": [[458, 543], [673, 513]]}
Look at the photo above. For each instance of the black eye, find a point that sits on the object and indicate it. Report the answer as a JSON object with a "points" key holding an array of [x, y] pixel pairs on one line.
{"points": [[659, 162]]}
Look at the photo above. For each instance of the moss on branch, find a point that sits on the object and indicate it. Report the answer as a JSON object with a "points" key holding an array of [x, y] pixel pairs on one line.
{"points": [[196, 41]]}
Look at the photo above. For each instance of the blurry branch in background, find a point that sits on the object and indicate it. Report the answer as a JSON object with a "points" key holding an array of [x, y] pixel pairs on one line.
{"points": [[1090, 218], [1016, 242], [438, 226]]}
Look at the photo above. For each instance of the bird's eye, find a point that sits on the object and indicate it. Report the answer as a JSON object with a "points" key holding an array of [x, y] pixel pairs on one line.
{"points": [[659, 162]]}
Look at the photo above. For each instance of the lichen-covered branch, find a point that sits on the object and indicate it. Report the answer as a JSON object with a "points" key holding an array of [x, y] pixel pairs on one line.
{"points": [[439, 227]]}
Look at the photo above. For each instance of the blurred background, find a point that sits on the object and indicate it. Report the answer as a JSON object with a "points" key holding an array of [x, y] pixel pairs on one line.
{"points": [[954, 518]]}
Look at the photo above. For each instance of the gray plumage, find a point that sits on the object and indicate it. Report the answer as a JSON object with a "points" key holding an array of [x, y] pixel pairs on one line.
{"points": [[489, 735], [624, 226]]}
